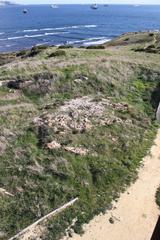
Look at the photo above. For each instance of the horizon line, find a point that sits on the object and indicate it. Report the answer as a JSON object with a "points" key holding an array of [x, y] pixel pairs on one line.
{"points": [[132, 4]]}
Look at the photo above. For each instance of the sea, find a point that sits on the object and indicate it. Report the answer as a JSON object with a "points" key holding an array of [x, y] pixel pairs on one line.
{"points": [[77, 25]]}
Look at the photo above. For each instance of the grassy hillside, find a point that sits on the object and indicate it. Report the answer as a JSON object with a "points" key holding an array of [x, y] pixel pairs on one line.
{"points": [[74, 123]]}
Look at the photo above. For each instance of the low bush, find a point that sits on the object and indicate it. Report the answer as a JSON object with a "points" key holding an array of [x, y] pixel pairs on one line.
{"points": [[126, 39], [151, 34], [96, 47], [36, 50], [22, 53], [42, 47], [58, 53], [65, 46]]}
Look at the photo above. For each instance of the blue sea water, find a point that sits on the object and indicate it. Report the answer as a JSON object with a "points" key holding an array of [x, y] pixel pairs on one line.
{"points": [[71, 24]]}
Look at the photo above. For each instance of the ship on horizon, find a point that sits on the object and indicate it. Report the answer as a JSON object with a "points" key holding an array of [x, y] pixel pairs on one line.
{"points": [[94, 6], [54, 6], [25, 11]]}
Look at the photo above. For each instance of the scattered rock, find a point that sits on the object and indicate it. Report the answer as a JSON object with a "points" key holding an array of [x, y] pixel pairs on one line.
{"points": [[128, 121], [81, 77], [78, 80], [70, 233], [78, 151], [120, 106], [38, 121], [118, 120], [114, 218], [53, 145], [114, 139], [111, 220], [106, 121], [4, 192], [70, 230], [77, 116], [19, 189]]}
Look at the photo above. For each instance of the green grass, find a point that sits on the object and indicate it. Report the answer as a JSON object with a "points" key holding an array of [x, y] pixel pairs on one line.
{"points": [[95, 180]]}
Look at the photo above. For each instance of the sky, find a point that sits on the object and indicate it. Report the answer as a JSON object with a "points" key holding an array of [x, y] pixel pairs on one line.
{"points": [[88, 1]]}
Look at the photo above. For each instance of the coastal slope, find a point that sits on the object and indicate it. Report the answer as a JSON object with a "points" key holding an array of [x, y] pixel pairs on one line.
{"points": [[75, 123]]}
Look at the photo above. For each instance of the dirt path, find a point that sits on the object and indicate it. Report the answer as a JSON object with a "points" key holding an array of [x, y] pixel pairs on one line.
{"points": [[136, 213]]}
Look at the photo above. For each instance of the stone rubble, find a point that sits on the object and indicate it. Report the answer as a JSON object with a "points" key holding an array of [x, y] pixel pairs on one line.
{"points": [[78, 150], [79, 115], [53, 145]]}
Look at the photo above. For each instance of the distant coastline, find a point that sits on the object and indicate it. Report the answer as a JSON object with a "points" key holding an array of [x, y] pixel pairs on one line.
{"points": [[7, 3]]}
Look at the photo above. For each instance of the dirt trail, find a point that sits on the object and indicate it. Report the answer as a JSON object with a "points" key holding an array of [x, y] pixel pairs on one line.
{"points": [[136, 212]]}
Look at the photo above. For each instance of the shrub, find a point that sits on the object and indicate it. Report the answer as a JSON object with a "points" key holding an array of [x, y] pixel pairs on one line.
{"points": [[138, 50], [151, 34], [65, 46], [96, 47], [58, 53], [152, 51], [126, 39], [22, 53], [36, 50], [14, 84], [150, 47], [42, 47], [43, 135]]}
